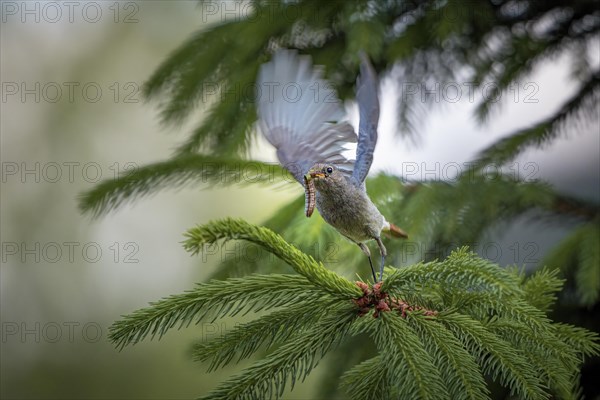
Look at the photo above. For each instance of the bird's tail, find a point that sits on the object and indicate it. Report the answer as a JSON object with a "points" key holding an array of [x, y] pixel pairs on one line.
{"points": [[395, 231]]}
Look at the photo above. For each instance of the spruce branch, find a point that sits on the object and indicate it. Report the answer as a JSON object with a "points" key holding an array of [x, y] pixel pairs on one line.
{"points": [[512, 54], [214, 299], [486, 305], [495, 317], [546, 352], [353, 351], [435, 337], [225, 129], [587, 276], [185, 76], [214, 61], [566, 205], [580, 107], [580, 339], [407, 358], [461, 269], [294, 360], [577, 257], [235, 229], [541, 287], [496, 357], [177, 172], [459, 368], [366, 380], [206, 60], [246, 339]]}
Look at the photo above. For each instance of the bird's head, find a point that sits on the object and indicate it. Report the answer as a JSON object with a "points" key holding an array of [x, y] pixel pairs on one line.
{"points": [[324, 175]]}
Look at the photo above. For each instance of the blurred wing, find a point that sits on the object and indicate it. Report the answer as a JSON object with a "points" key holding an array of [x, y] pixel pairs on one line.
{"points": [[368, 107], [299, 113]]}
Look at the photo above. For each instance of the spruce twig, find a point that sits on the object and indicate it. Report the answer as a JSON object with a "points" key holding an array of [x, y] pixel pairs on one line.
{"points": [[439, 327]]}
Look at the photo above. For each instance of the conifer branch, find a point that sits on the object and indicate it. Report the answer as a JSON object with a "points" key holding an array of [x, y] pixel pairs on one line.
{"points": [[439, 327], [578, 257], [496, 357], [580, 107], [579, 339], [482, 305], [587, 276], [431, 317], [545, 352], [461, 269], [366, 380], [246, 339], [459, 368], [294, 360], [215, 299], [541, 287], [406, 358], [177, 172], [232, 229]]}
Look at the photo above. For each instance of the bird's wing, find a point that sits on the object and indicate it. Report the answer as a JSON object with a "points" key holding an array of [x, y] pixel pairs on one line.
{"points": [[368, 107], [300, 113]]}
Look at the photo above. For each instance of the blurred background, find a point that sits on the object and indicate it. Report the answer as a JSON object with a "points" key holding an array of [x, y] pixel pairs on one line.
{"points": [[71, 276], [72, 115]]}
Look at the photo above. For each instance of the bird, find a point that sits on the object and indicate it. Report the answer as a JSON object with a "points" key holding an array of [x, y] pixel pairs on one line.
{"points": [[300, 114]]}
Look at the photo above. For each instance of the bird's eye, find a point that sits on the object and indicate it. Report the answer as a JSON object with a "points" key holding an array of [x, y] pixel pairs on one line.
{"points": [[329, 170]]}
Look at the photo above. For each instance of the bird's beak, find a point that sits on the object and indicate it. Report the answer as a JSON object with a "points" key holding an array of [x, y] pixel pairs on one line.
{"points": [[314, 175]]}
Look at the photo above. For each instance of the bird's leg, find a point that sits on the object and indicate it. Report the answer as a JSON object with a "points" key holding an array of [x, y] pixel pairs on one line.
{"points": [[383, 252], [366, 250]]}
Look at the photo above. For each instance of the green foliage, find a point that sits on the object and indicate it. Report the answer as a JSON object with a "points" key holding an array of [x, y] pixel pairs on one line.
{"points": [[478, 42], [448, 325], [580, 109], [217, 299], [439, 216], [432, 42], [490, 320], [541, 288], [232, 229], [180, 171], [357, 387], [578, 257], [246, 339]]}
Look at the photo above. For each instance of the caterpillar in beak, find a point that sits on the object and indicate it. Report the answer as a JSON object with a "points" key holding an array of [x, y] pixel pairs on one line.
{"points": [[309, 195]]}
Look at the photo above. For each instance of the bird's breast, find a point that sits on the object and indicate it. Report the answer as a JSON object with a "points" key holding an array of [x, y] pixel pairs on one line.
{"points": [[351, 212]]}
